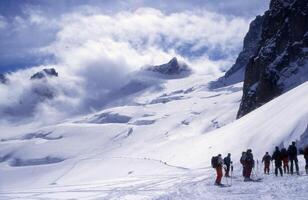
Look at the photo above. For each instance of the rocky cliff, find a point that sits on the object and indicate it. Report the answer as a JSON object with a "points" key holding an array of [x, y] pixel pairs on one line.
{"points": [[281, 60]]}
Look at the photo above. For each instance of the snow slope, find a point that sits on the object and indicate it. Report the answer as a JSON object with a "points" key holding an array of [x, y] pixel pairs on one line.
{"points": [[159, 146]]}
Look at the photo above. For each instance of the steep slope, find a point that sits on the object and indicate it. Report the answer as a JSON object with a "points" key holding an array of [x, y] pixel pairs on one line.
{"points": [[130, 145], [136, 136], [280, 63], [90, 160], [250, 46]]}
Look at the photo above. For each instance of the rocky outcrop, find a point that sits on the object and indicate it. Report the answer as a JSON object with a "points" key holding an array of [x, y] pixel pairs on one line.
{"points": [[50, 72], [173, 67], [250, 46], [3, 79], [281, 61]]}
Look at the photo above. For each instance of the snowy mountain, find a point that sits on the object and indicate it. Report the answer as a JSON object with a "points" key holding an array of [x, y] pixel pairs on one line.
{"points": [[50, 72], [280, 63], [172, 68], [128, 146], [152, 133]]}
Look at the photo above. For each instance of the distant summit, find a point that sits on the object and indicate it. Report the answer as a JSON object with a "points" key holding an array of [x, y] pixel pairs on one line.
{"points": [[173, 67], [50, 72], [3, 79]]}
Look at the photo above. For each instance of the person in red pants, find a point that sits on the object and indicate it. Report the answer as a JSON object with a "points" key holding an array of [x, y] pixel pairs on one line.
{"points": [[249, 164], [217, 163], [267, 161], [285, 160]]}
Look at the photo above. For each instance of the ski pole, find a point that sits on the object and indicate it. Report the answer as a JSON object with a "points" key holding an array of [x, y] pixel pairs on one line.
{"points": [[227, 180], [225, 176], [257, 166], [231, 173]]}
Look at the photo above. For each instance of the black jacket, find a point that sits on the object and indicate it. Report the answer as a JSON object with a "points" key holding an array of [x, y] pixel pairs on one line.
{"points": [[292, 150], [284, 153], [227, 161], [306, 153], [249, 161], [266, 158], [277, 157]]}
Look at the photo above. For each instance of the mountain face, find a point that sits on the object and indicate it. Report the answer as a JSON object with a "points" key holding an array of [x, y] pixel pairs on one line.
{"points": [[250, 46], [3, 79], [51, 72], [173, 67], [280, 62]]}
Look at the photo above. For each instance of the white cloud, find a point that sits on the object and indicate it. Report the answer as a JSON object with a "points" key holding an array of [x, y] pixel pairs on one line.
{"points": [[94, 52]]}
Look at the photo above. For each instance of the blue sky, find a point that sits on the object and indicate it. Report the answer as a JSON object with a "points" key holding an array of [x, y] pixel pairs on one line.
{"points": [[27, 27]]}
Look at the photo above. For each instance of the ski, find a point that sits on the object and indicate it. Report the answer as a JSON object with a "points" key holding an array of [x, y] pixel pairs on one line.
{"points": [[254, 180], [223, 185]]}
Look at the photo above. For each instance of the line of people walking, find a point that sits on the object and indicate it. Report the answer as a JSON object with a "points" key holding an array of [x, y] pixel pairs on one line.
{"points": [[285, 161], [282, 158]]}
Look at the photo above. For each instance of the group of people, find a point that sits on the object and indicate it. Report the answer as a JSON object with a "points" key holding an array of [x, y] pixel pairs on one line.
{"points": [[282, 158], [285, 161]]}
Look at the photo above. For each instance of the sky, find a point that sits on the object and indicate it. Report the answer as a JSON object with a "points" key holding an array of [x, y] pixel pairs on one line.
{"points": [[95, 45], [26, 26]]}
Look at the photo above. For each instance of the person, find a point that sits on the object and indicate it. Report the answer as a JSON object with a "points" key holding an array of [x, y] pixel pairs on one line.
{"points": [[285, 160], [267, 161], [292, 151], [218, 166], [227, 162], [242, 161], [217, 163], [278, 161], [249, 164], [306, 158]]}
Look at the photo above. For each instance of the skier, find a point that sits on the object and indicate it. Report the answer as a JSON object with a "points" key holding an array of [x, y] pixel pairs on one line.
{"points": [[242, 161], [292, 151], [267, 161], [285, 160], [306, 158], [227, 162], [217, 163], [278, 161], [249, 164]]}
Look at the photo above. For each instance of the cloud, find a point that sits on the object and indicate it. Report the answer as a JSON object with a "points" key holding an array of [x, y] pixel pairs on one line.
{"points": [[94, 53], [146, 33]]}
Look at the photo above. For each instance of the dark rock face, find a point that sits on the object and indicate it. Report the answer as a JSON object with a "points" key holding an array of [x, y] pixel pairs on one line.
{"points": [[51, 72], [281, 61], [3, 79], [173, 67], [250, 47]]}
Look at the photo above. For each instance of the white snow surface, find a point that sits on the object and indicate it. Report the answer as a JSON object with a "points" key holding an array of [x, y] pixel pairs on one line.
{"points": [[157, 147]]}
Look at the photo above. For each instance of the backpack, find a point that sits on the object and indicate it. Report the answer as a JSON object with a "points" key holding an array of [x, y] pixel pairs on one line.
{"points": [[214, 161], [243, 158]]}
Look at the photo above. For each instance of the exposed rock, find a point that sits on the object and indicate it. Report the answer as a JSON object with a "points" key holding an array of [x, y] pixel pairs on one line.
{"points": [[50, 72], [173, 67], [281, 62], [3, 79], [250, 46]]}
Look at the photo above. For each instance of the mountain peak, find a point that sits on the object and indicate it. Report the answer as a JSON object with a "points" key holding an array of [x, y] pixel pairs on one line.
{"points": [[173, 67], [3, 79], [48, 72]]}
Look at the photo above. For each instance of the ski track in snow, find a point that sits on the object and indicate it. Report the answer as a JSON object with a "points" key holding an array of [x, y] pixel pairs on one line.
{"points": [[160, 152], [195, 184]]}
